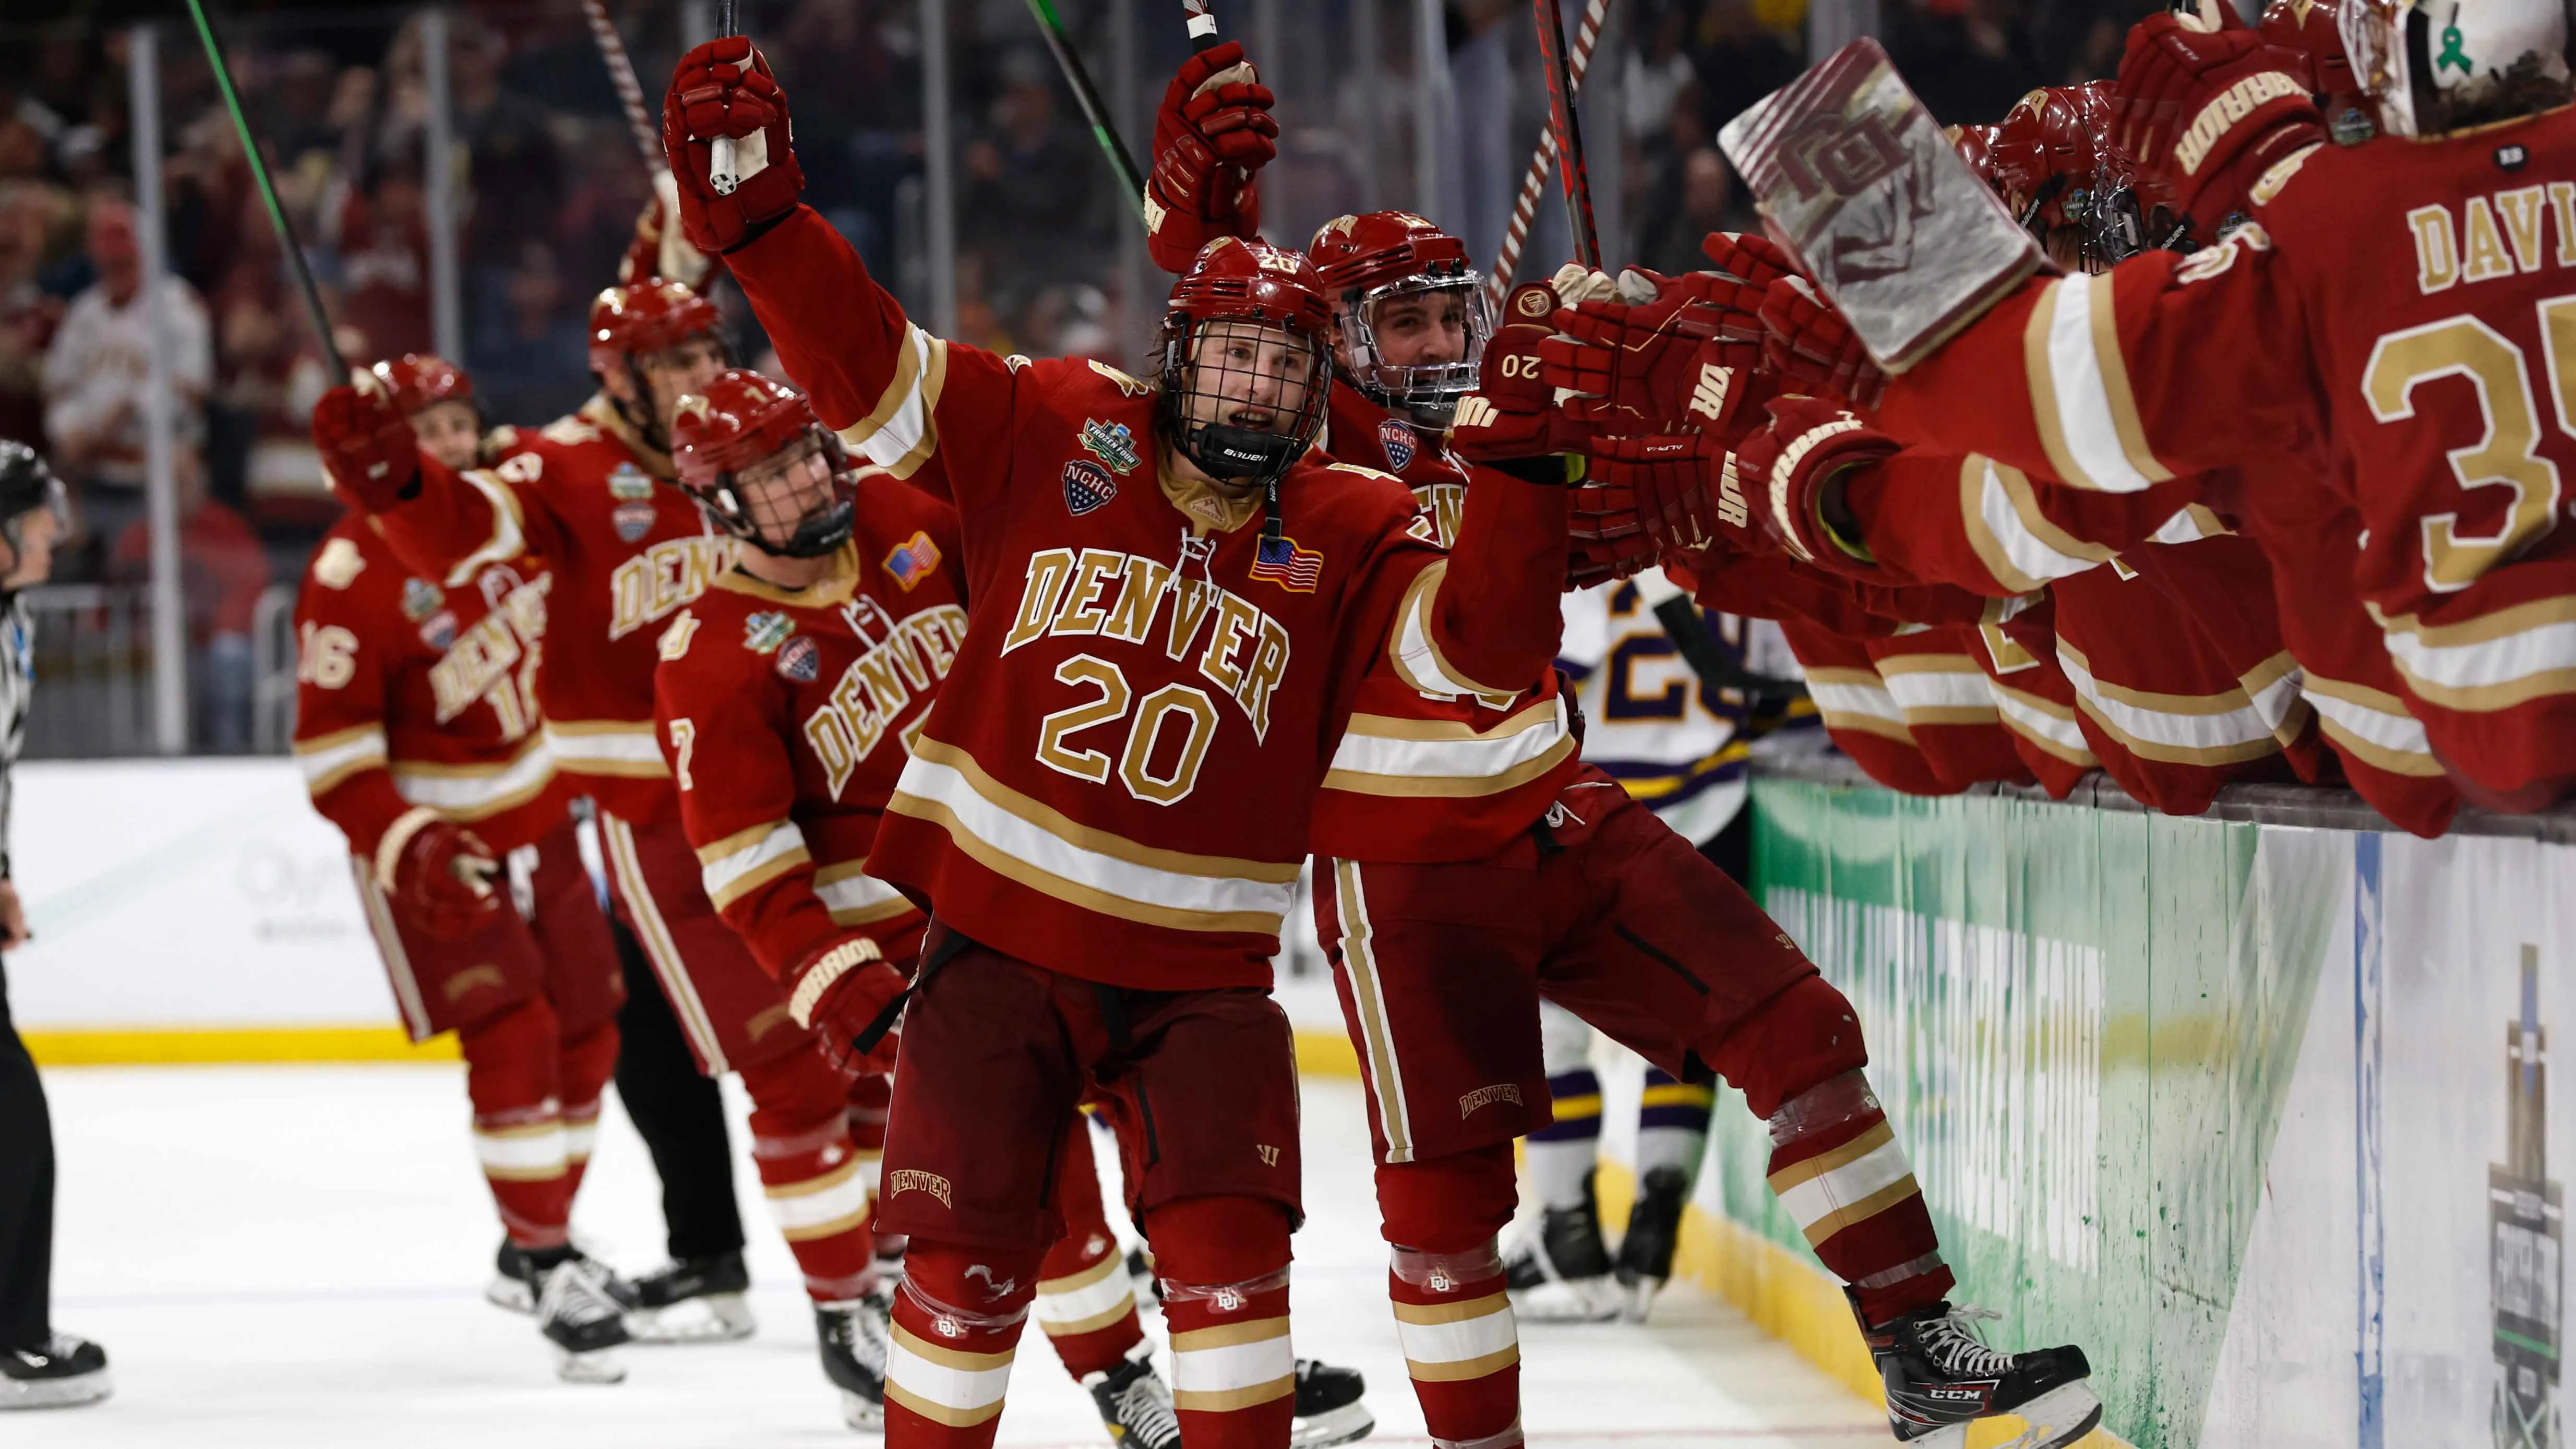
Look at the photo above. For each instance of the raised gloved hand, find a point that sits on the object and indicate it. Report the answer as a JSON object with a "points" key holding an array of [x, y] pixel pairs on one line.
{"points": [[724, 89], [438, 873], [1813, 348], [1512, 415], [840, 990], [1213, 133], [1746, 264], [2196, 96], [1641, 364], [661, 245], [1785, 468], [368, 448]]}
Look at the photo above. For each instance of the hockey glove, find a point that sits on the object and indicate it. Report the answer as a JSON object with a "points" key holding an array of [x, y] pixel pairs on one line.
{"points": [[1786, 467], [1590, 561], [1642, 367], [1513, 417], [724, 88], [1212, 134], [2199, 105], [368, 448], [438, 873], [840, 990], [1747, 264], [1813, 348], [1667, 489]]}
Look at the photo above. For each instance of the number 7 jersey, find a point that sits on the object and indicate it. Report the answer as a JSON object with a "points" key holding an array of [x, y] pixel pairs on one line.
{"points": [[2405, 310]]}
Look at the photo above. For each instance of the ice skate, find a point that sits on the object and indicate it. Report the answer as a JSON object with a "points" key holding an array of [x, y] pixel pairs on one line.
{"points": [[513, 1287], [65, 1372], [1557, 1270], [1136, 1405], [697, 1300], [1940, 1378], [1654, 1230], [583, 1321], [853, 1337], [1140, 1278], [1329, 1407]]}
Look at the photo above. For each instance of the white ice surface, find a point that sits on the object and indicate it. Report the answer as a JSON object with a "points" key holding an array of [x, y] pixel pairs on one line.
{"points": [[284, 1257]]}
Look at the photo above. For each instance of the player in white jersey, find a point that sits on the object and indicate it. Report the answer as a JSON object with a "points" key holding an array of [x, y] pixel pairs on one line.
{"points": [[1679, 745]]}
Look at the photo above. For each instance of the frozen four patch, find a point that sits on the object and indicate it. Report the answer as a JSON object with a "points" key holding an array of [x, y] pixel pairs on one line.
{"points": [[1087, 488], [762, 633], [1112, 443], [421, 599], [629, 485]]}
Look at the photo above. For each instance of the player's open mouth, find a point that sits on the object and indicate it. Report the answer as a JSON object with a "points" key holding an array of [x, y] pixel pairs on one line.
{"points": [[1257, 420]]}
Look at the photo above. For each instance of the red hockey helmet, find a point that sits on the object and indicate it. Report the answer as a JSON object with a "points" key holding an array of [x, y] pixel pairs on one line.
{"points": [[1242, 358], [724, 442], [1379, 257], [424, 379], [2056, 167], [630, 321], [2313, 28]]}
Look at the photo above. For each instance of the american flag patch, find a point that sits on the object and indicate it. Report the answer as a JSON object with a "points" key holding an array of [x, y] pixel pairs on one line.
{"points": [[912, 560], [1282, 562]]}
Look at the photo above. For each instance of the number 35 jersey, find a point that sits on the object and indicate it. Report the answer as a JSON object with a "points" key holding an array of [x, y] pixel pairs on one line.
{"points": [[2407, 310]]}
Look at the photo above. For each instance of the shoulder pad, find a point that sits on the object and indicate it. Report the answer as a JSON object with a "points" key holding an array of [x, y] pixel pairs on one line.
{"points": [[569, 431], [1367, 472], [501, 438], [338, 565], [1132, 387], [675, 640]]}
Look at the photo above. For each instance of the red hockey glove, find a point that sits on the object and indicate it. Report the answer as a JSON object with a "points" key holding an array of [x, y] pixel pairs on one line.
{"points": [[368, 447], [1747, 264], [1813, 348], [1513, 415], [1664, 488], [724, 88], [438, 872], [1638, 368], [840, 991], [1213, 132], [1590, 561], [1784, 469], [2193, 101]]}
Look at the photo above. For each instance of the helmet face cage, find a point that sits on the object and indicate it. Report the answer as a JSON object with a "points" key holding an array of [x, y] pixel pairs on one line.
{"points": [[1205, 392], [755, 515], [1429, 391]]}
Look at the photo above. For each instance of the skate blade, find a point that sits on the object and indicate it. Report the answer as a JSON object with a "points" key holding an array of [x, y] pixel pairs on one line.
{"points": [[1641, 1299], [1585, 1300], [2057, 1418], [68, 1393], [510, 1294], [1346, 1425], [862, 1413], [715, 1318], [599, 1366]]}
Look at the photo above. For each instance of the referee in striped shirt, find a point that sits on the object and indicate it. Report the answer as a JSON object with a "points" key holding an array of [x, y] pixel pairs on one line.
{"points": [[38, 1367]]}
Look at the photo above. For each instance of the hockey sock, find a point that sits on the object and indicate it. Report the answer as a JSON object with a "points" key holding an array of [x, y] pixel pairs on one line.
{"points": [[1223, 1263], [820, 1188], [1561, 1153], [1085, 1303], [582, 1069], [518, 1126], [957, 1321], [1445, 1281], [1837, 1167], [1672, 1124]]}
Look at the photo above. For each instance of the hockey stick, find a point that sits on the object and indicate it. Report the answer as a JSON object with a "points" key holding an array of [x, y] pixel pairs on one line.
{"points": [[320, 319], [621, 74], [1085, 95], [1534, 181], [1202, 23], [1567, 127], [1715, 667], [723, 172]]}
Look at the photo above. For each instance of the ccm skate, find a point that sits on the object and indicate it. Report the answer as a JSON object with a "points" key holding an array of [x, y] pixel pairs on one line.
{"points": [[1940, 1378]]}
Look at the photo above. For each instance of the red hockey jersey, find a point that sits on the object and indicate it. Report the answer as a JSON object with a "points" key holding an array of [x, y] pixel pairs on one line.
{"points": [[627, 550], [1119, 782], [2404, 303], [413, 695], [787, 715]]}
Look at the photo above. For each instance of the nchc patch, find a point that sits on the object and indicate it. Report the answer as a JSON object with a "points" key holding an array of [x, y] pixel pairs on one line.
{"points": [[632, 520], [800, 659], [763, 632], [440, 630], [913, 560], [1087, 488], [1396, 436]]}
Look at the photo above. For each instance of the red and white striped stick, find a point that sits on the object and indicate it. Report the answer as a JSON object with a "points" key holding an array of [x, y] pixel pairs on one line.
{"points": [[621, 74], [1534, 182]]}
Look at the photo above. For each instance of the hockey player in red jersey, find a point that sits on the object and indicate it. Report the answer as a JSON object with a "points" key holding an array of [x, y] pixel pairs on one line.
{"points": [[2394, 302], [592, 496], [418, 733], [1469, 863], [1108, 808]]}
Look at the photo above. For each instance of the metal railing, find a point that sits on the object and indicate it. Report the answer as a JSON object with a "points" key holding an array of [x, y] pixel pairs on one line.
{"points": [[93, 657], [273, 656]]}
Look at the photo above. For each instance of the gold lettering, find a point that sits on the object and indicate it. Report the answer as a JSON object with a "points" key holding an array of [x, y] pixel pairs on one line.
{"points": [[2522, 219], [2483, 241], [1261, 677], [1081, 611], [2437, 254], [1235, 620], [866, 722], [1190, 600], [1138, 599], [884, 679], [829, 734], [2562, 203], [1046, 576]]}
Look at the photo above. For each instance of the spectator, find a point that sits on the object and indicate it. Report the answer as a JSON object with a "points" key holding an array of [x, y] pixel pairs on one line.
{"points": [[1032, 193], [1668, 239], [98, 372], [1969, 64], [223, 571], [28, 315], [383, 242], [533, 363], [1739, 62]]}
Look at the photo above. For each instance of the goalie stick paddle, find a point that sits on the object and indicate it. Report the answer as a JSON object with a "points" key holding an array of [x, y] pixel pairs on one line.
{"points": [[1567, 127], [1087, 96], [1587, 32], [621, 75], [294, 250], [724, 172]]}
